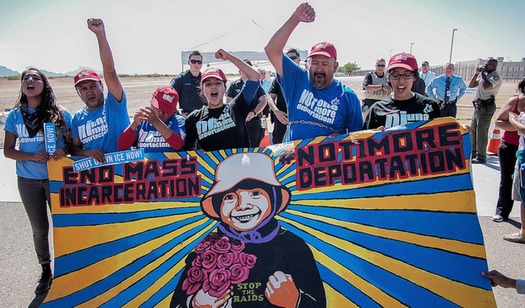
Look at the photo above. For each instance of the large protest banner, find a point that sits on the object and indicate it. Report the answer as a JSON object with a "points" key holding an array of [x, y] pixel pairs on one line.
{"points": [[367, 219]]}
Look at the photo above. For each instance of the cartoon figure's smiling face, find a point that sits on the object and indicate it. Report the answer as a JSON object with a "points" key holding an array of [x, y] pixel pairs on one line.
{"points": [[245, 209]]}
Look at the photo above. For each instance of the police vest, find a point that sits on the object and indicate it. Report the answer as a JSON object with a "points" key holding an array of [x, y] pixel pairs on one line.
{"points": [[378, 95]]}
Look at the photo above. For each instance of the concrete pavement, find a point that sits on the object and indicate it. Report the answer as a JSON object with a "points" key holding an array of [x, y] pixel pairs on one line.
{"points": [[19, 269]]}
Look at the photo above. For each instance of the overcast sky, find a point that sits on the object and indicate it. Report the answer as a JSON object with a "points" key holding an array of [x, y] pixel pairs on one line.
{"points": [[148, 36]]}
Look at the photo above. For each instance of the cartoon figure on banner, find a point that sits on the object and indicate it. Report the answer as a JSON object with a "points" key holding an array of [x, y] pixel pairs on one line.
{"points": [[251, 261]]}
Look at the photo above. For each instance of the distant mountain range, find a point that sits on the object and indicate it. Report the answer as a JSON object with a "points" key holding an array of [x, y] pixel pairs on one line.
{"points": [[7, 72]]}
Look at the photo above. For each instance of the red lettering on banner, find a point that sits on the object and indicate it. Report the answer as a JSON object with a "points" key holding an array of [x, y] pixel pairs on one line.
{"points": [[143, 181], [392, 156]]}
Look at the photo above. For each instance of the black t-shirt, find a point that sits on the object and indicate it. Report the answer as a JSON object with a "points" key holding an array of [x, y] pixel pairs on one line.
{"points": [[280, 101], [220, 128], [188, 87], [419, 87], [236, 87], [390, 112]]}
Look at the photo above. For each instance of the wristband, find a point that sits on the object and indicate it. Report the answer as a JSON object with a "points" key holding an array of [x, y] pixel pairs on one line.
{"points": [[254, 113]]}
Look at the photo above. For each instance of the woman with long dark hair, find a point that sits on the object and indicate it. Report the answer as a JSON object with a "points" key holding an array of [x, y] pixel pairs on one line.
{"points": [[35, 106]]}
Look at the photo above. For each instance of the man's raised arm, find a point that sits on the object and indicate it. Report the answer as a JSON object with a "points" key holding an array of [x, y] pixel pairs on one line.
{"points": [[106, 57], [274, 48]]}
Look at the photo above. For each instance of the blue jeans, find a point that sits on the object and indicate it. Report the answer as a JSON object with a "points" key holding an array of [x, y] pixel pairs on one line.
{"points": [[36, 199], [521, 159]]}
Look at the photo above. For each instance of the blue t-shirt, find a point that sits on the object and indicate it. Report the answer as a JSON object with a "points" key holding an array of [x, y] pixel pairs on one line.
{"points": [[28, 168], [313, 112], [149, 138], [100, 128]]}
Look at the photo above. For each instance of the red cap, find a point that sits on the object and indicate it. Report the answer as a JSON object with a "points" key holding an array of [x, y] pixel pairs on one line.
{"points": [[324, 49], [213, 73], [86, 75], [403, 60], [165, 99]]}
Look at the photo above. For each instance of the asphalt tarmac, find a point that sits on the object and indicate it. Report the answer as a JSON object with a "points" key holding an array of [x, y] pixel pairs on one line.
{"points": [[19, 269]]}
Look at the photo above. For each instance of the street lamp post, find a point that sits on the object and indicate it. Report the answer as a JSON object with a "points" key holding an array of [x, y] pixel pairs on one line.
{"points": [[411, 44], [451, 45]]}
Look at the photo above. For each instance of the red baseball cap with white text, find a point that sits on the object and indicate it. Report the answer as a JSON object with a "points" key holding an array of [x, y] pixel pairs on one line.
{"points": [[402, 60], [165, 99], [86, 75], [324, 49]]}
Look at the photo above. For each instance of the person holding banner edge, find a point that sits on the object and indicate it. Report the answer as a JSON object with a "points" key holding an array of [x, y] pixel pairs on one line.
{"points": [[35, 106], [498, 279], [97, 126]]}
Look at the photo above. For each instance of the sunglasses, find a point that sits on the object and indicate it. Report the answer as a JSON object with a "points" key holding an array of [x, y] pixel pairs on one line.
{"points": [[294, 57], [196, 61], [380, 65]]}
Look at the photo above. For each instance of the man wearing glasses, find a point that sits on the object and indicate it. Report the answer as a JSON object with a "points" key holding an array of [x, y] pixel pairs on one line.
{"points": [[187, 85], [376, 86], [404, 106], [318, 105]]}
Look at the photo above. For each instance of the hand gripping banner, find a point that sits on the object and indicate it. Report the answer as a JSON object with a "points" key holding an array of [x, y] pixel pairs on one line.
{"points": [[368, 219]]}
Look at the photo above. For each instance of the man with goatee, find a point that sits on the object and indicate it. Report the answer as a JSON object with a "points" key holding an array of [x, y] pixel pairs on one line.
{"points": [[318, 105]]}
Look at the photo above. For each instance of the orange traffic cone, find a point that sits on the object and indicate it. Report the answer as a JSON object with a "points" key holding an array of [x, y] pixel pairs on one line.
{"points": [[492, 148], [266, 139]]}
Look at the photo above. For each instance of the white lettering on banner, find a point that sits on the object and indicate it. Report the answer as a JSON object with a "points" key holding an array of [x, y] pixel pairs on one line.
{"points": [[318, 108], [402, 118], [213, 126], [132, 155], [51, 139], [111, 159]]}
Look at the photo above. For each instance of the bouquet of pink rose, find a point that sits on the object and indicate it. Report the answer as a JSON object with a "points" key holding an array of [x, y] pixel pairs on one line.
{"points": [[220, 263]]}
